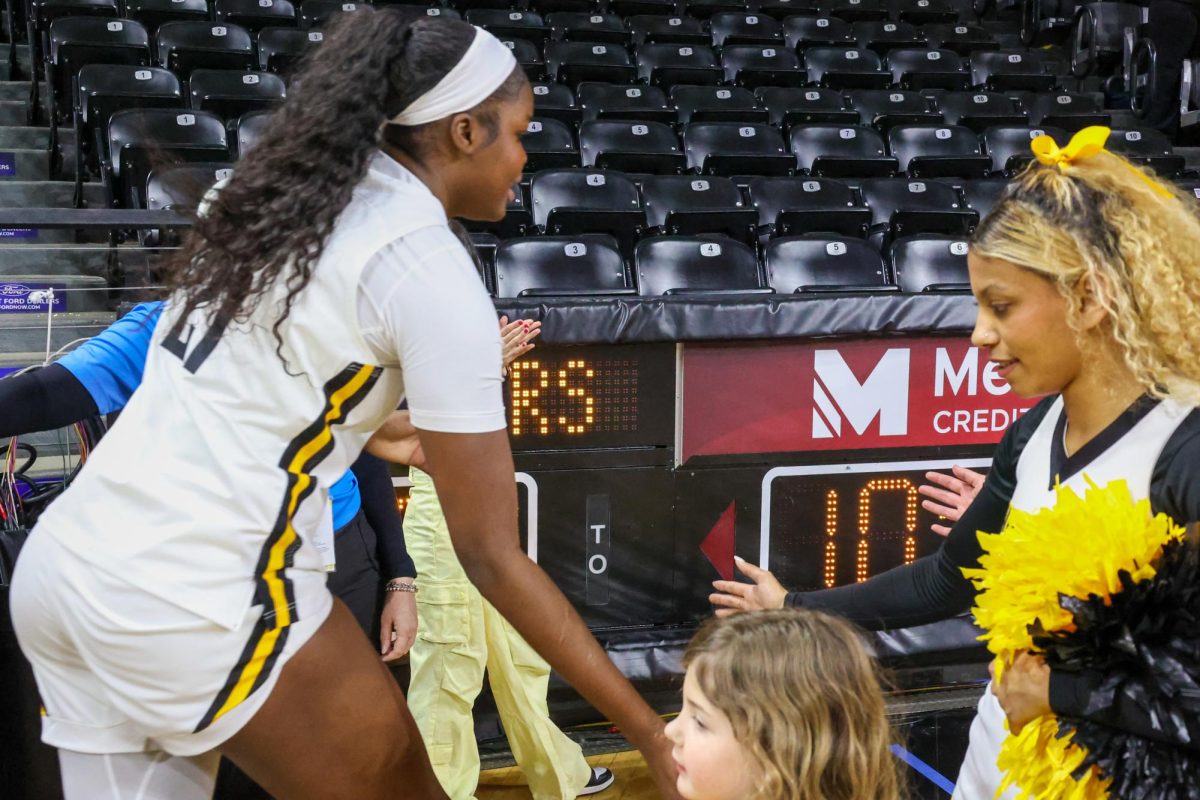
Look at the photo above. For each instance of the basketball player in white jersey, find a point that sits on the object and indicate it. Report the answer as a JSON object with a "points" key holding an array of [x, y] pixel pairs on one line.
{"points": [[1085, 272], [170, 601]]}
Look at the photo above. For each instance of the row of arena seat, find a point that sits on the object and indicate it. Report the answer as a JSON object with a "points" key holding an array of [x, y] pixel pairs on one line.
{"points": [[592, 265]]}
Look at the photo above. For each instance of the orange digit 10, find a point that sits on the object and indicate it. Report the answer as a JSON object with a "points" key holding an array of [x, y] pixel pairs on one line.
{"points": [[534, 389], [864, 520]]}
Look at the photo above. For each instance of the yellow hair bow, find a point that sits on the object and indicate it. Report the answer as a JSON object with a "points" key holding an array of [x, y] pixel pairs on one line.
{"points": [[1085, 144]]}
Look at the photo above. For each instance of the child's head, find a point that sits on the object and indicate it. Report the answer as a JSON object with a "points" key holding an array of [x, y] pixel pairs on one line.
{"points": [[1118, 248], [782, 705]]}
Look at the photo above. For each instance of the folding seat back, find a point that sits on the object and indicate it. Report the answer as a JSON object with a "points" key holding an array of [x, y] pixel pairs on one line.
{"points": [[671, 64], [248, 129], [815, 264], [962, 39], [141, 138], [938, 151], [630, 102], [229, 94], [929, 12], [573, 62], [732, 148], [689, 205], [885, 36], [43, 12], [589, 26], [666, 29], [788, 106], [1148, 148], [930, 264], [782, 9], [517, 220], [153, 13], [982, 195], [485, 246], [840, 151], [571, 201], [183, 187], [886, 108], [716, 104], [555, 101], [981, 110], [846, 68], [316, 13], [74, 42], [254, 15], [686, 265], [547, 7], [1008, 147], [503, 23], [801, 32], [280, 48], [185, 46], [755, 65], [706, 9], [549, 144], [650, 147], [922, 68], [856, 10], [741, 27], [1098, 36], [1006, 72], [1069, 111], [906, 207], [628, 9], [563, 266], [1189, 186], [794, 206], [103, 89], [528, 55]]}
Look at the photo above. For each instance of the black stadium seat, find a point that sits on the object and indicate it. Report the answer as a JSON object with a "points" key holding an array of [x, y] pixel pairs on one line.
{"points": [[742, 27], [686, 265], [981, 110], [528, 54], [982, 195], [1009, 146], [803, 32], [753, 65], [182, 187], [517, 220], [671, 64], [907, 207], [922, 69], [629, 102], [706, 9], [733, 148], [549, 144], [573, 201], [1069, 111], [716, 104], [663, 29], [938, 151], [793, 206], [142, 138], [317, 13], [74, 42], [153, 13], [254, 15], [1149, 148], [885, 36], [688, 205], [184, 46], [815, 264], [229, 94], [845, 68], [840, 151], [562, 266], [247, 130], [573, 62], [102, 89], [509, 23], [930, 264], [856, 10], [486, 245], [555, 101], [783, 9], [631, 146], [280, 48], [1005, 72], [962, 39], [788, 106], [589, 26], [886, 108], [928, 12]]}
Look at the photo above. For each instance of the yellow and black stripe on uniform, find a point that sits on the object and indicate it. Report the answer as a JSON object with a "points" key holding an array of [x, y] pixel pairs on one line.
{"points": [[273, 589]]}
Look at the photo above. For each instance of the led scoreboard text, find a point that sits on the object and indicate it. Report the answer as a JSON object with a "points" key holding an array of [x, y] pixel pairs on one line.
{"points": [[573, 397]]}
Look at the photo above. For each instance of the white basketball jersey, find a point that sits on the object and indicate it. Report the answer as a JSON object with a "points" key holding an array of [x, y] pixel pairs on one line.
{"points": [[225, 452]]}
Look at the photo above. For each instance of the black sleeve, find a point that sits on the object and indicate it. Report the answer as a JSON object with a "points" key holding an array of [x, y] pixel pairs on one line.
{"points": [[379, 507], [933, 588], [43, 400]]}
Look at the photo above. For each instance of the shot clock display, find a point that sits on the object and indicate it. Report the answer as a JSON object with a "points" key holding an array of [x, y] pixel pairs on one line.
{"points": [[590, 397], [825, 526]]}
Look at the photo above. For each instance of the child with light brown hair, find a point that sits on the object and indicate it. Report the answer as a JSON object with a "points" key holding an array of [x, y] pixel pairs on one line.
{"points": [[782, 705]]}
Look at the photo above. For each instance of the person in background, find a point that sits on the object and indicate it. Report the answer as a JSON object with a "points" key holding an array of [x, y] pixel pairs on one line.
{"points": [[1174, 28]]}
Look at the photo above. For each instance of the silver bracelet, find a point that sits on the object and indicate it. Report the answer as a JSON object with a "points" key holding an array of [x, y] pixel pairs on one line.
{"points": [[397, 586]]}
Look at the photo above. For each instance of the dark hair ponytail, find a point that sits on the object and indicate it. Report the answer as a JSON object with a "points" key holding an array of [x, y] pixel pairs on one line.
{"points": [[281, 205]]}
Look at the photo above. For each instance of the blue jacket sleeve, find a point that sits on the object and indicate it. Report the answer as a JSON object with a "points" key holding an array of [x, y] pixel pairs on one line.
{"points": [[110, 364]]}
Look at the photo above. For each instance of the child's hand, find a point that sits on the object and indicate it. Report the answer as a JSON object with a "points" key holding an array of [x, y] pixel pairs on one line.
{"points": [[733, 596], [515, 339]]}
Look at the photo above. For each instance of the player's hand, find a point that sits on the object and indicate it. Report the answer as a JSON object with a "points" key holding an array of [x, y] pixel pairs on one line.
{"points": [[733, 596], [397, 441], [954, 495], [1024, 690], [397, 624], [516, 339]]}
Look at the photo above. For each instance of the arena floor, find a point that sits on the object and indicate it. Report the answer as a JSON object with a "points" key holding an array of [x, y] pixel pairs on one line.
{"points": [[633, 780]]}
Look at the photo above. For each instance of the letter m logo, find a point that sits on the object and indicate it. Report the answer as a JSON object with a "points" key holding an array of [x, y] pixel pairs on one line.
{"points": [[837, 394]]}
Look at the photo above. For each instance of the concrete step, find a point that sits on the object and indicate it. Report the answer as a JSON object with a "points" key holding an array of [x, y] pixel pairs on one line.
{"points": [[48, 194], [13, 112], [12, 362], [34, 294], [22, 57], [24, 137], [27, 332], [17, 90], [24, 165], [69, 259]]}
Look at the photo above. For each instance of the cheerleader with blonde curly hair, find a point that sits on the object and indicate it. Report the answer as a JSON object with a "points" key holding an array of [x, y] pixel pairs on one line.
{"points": [[1086, 274]]}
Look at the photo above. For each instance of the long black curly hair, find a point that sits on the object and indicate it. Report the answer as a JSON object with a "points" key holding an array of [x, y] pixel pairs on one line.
{"points": [[272, 220]]}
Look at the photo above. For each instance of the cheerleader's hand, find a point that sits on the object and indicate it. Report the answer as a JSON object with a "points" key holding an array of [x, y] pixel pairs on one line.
{"points": [[1024, 690]]}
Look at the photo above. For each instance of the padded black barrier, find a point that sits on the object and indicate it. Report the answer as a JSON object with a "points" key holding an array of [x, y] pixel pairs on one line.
{"points": [[629, 320]]}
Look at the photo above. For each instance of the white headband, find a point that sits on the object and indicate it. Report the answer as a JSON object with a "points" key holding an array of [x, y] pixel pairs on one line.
{"points": [[486, 64]]}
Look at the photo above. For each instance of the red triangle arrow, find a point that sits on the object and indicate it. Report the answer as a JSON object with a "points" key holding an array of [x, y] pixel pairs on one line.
{"points": [[718, 544]]}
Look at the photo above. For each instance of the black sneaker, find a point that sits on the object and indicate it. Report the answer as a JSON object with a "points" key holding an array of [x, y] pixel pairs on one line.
{"points": [[601, 779]]}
